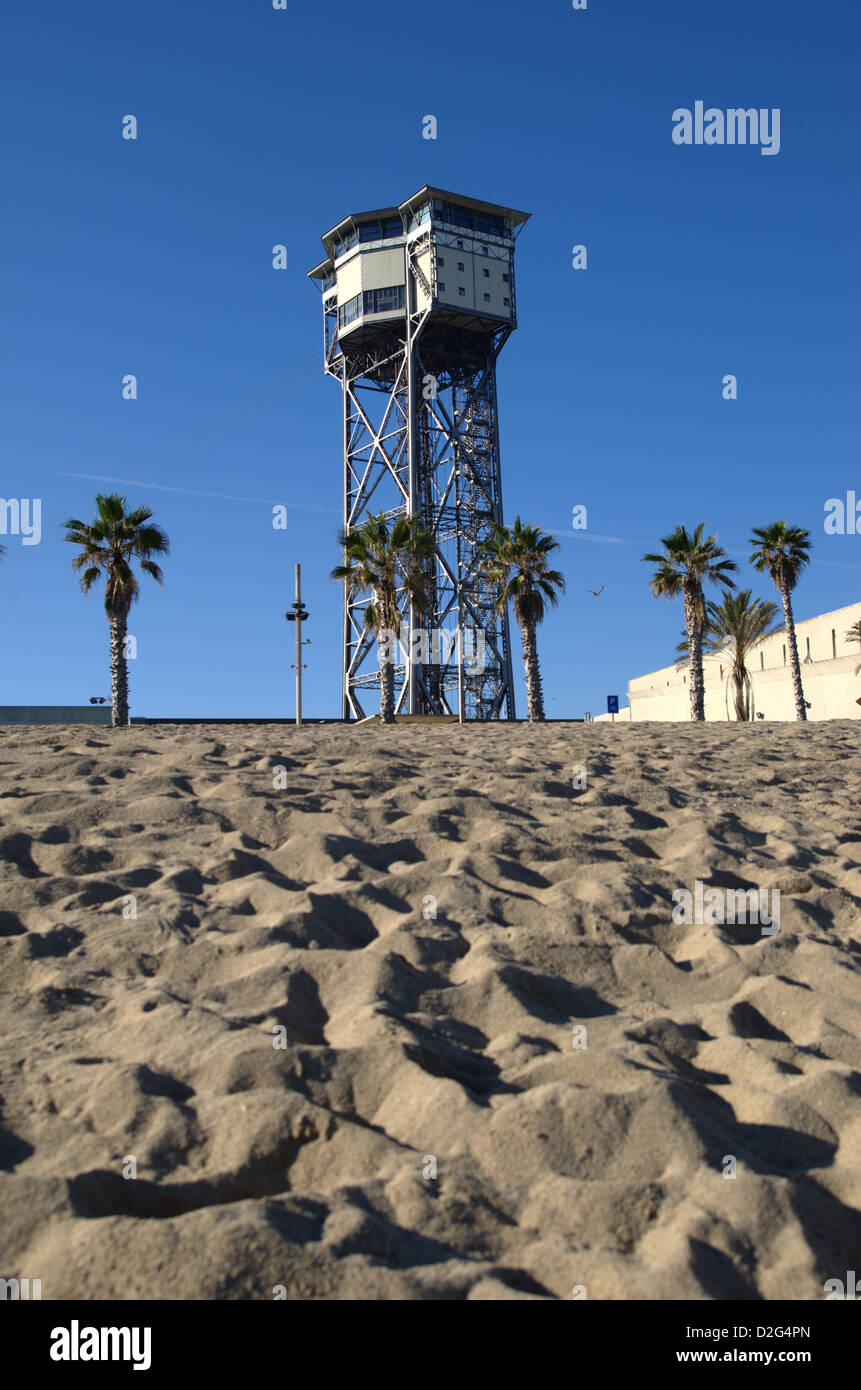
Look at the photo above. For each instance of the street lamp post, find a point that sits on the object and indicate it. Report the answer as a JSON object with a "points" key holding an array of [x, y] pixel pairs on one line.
{"points": [[297, 615]]}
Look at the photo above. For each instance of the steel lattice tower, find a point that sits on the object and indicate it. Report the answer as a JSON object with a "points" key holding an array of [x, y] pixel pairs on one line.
{"points": [[418, 302]]}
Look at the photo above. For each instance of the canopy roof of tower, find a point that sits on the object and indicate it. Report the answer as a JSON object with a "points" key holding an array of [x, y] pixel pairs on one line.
{"points": [[352, 221], [515, 217]]}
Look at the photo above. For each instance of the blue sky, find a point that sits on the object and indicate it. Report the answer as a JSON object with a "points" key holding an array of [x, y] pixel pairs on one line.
{"points": [[258, 127]]}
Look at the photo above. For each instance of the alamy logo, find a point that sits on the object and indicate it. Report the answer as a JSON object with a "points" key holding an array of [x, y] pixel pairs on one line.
{"points": [[716, 906], [843, 518], [439, 647], [732, 127], [837, 1289], [21, 517], [20, 1289], [76, 1343]]}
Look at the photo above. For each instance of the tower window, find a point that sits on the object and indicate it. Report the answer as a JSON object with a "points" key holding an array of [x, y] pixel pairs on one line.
{"points": [[460, 244], [506, 303], [834, 644], [461, 266], [382, 301], [505, 279], [381, 230], [808, 646], [462, 292], [487, 299], [784, 653], [440, 260], [486, 273], [762, 661], [441, 287]]}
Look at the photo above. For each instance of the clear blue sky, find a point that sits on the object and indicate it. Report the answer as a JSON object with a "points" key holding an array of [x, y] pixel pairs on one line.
{"points": [[259, 127]]}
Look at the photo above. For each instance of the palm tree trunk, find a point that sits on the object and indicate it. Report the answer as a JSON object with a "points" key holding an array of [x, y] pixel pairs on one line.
{"points": [[794, 664], [742, 711], [534, 692], [387, 689], [695, 647], [119, 674]]}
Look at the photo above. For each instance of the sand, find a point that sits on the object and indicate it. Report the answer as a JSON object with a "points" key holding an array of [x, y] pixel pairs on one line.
{"points": [[428, 1129]]}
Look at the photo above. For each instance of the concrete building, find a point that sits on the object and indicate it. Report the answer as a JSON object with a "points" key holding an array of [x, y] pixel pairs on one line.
{"points": [[830, 675]]}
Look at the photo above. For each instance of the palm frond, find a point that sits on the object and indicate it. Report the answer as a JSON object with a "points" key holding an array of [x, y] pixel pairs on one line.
{"points": [[516, 565], [781, 552], [385, 560], [109, 544]]}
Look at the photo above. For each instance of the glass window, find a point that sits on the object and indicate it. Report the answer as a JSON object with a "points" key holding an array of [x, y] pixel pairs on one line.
{"points": [[486, 273], [462, 292], [460, 265], [440, 260], [381, 301], [505, 302], [349, 311], [487, 299], [381, 230], [441, 287], [505, 279]]}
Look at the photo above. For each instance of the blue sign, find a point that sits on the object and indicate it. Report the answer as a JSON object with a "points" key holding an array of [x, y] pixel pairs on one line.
{"points": [[612, 704]]}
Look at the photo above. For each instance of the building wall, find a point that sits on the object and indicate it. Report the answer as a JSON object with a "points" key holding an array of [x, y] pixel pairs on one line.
{"points": [[472, 279], [370, 268], [55, 714], [380, 269], [349, 278], [832, 683]]}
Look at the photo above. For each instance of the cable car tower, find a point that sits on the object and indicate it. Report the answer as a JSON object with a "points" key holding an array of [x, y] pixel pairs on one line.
{"points": [[418, 302]]}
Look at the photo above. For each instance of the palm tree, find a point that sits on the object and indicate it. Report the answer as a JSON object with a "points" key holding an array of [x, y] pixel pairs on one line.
{"points": [[108, 545], [854, 633], [385, 561], [517, 563], [782, 551], [685, 565], [733, 628]]}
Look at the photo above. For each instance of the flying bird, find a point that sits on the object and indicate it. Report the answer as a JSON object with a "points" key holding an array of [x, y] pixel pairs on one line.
{"points": [[597, 592]]}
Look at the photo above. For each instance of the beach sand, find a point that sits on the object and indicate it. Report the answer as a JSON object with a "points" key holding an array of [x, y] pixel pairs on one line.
{"points": [[429, 1129]]}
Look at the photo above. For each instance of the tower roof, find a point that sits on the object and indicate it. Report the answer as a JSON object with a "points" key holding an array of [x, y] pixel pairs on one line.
{"points": [[477, 204], [353, 219]]}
